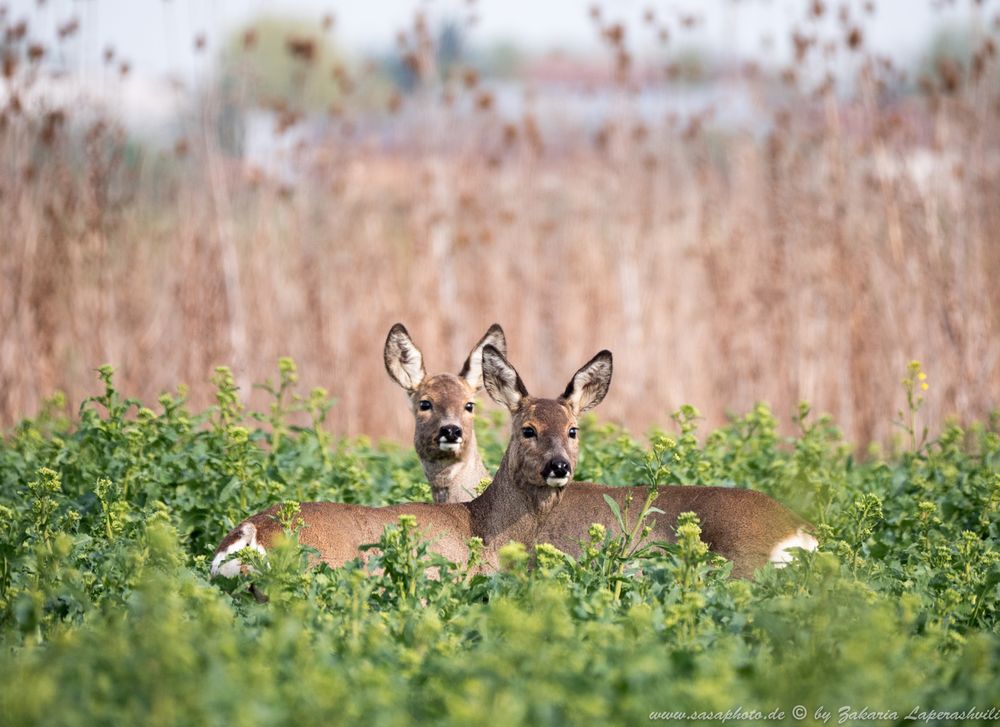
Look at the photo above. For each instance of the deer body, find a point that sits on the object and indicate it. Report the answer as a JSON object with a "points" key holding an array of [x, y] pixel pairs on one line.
{"points": [[747, 527], [501, 514], [526, 489]]}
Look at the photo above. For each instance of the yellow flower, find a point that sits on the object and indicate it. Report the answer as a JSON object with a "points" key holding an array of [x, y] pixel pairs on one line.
{"points": [[924, 386], [922, 376]]}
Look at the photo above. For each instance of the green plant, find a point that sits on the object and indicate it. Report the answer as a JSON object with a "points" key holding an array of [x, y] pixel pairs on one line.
{"points": [[107, 614]]}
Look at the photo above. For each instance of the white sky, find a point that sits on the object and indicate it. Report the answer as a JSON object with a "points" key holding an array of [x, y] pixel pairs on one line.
{"points": [[156, 35]]}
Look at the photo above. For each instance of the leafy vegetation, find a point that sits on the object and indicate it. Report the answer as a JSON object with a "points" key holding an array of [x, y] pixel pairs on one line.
{"points": [[108, 615]]}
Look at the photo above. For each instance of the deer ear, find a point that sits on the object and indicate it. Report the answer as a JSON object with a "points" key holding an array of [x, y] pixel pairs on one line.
{"points": [[472, 369], [403, 359], [501, 380], [590, 384]]}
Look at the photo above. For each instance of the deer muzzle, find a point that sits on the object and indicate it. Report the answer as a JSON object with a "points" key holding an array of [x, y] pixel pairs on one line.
{"points": [[556, 472], [449, 438]]}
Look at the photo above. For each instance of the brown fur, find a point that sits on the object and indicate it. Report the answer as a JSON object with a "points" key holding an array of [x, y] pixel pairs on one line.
{"points": [[742, 525]]}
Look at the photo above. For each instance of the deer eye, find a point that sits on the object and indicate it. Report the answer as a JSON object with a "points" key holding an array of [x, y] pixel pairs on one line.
{"points": [[529, 432], [572, 432], [425, 405], [470, 407]]}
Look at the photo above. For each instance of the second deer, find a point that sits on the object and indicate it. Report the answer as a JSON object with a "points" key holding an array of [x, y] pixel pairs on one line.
{"points": [[443, 408]]}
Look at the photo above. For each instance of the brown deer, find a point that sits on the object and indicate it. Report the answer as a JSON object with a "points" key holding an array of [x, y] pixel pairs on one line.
{"points": [[443, 408], [747, 527], [529, 482]]}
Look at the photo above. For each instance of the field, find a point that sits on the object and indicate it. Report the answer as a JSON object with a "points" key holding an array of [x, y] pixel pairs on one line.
{"points": [[108, 616], [746, 234]]}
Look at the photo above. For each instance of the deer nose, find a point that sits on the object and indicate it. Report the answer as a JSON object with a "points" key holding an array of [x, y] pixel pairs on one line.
{"points": [[556, 469], [450, 433]]}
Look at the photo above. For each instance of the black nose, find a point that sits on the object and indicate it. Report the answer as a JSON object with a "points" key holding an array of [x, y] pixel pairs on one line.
{"points": [[556, 468], [450, 433]]}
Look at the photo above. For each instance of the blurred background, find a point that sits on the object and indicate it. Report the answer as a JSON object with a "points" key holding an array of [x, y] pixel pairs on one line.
{"points": [[745, 201]]}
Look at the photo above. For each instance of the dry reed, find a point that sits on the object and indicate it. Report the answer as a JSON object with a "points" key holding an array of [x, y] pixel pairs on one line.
{"points": [[808, 262]]}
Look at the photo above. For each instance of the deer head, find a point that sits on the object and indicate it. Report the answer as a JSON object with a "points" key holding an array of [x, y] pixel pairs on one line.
{"points": [[543, 448], [443, 408]]}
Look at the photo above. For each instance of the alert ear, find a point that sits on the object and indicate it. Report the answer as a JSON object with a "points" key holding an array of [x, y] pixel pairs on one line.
{"points": [[501, 380], [589, 385], [472, 369], [403, 359]]}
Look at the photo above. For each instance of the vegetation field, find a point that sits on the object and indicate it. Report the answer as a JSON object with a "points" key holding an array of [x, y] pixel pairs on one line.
{"points": [[108, 615], [783, 218]]}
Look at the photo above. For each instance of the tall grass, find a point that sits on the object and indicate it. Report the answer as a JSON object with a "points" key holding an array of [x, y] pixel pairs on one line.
{"points": [[808, 258]]}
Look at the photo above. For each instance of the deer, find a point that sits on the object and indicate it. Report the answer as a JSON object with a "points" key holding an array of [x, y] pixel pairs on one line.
{"points": [[745, 526], [443, 408], [528, 484]]}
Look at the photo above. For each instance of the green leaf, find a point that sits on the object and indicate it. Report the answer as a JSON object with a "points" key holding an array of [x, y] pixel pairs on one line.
{"points": [[616, 511]]}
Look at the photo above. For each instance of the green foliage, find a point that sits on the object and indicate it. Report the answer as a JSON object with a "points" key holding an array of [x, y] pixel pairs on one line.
{"points": [[107, 614]]}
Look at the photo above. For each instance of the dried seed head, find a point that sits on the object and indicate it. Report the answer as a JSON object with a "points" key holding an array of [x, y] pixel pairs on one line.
{"points": [[615, 34], [65, 30], [532, 133], [484, 101], [413, 62], [286, 119], [603, 138], [16, 32], [951, 74], [51, 125], [854, 38], [301, 48], [509, 134], [802, 43]]}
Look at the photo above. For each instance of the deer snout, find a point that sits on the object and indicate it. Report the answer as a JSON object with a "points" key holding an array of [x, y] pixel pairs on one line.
{"points": [[556, 472], [449, 437]]}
